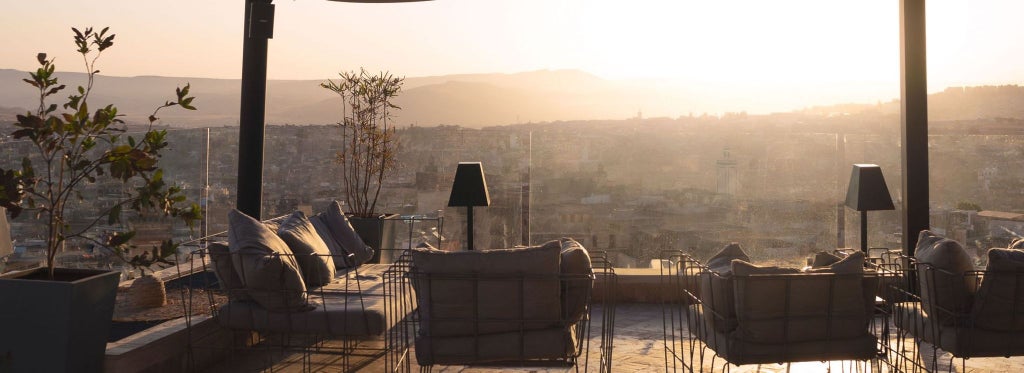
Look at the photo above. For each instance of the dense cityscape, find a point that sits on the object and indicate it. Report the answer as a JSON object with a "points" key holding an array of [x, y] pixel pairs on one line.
{"points": [[635, 187]]}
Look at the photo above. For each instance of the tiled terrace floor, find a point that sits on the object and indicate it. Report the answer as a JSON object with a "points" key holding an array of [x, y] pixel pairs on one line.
{"points": [[637, 348]]}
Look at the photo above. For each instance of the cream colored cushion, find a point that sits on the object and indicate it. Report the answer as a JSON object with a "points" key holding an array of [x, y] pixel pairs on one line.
{"points": [[265, 265]]}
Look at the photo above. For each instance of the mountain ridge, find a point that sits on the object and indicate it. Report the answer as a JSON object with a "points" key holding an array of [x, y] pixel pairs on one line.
{"points": [[477, 100]]}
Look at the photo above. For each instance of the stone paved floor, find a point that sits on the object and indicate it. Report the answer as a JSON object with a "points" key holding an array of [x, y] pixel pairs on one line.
{"points": [[638, 347]]}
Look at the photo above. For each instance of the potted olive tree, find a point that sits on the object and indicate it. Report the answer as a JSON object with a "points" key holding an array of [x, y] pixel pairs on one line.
{"points": [[369, 148], [57, 319]]}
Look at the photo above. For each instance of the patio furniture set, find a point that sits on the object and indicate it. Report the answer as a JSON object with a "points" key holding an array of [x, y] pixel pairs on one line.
{"points": [[894, 313], [299, 286]]}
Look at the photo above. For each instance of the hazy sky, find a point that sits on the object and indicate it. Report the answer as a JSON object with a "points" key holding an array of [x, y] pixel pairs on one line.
{"points": [[832, 46]]}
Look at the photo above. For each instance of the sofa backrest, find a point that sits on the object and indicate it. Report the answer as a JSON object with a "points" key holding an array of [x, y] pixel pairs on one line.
{"points": [[469, 293], [768, 294], [787, 308]]}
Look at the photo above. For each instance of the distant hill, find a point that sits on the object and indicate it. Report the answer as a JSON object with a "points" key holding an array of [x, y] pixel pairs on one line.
{"points": [[952, 104], [472, 100]]}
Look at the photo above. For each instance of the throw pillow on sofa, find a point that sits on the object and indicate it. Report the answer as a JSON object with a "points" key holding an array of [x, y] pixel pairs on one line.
{"points": [[1000, 302], [716, 288], [946, 293], [310, 250], [223, 268], [340, 230], [265, 265]]}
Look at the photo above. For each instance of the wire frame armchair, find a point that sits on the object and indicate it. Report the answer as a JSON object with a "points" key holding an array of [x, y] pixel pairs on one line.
{"points": [[519, 319], [343, 325], [935, 327], [713, 322]]}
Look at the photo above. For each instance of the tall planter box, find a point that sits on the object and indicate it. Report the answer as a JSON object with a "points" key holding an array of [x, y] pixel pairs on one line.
{"points": [[55, 326], [378, 233]]}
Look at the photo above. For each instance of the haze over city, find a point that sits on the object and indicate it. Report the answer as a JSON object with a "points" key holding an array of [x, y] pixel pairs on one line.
{"points": [[749, 56]]}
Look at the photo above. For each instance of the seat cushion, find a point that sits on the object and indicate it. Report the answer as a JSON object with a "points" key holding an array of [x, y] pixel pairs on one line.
{"points": [[738, 351], [265, 265], [957, 339], [999, 305], [540, 344], [942, 264], [336, 315], [310, 250], [484, 292]]}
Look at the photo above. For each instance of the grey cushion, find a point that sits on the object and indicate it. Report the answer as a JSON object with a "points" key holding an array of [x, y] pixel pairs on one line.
{"points": [[552, 343], [721, 262], [575, 263], [958, 339], [223, 268], [851, 264], [744, 268], [945, 291], [346, 236], [739, 351], [310, 250], [265, 264], [999, 305], [782, 308], [824, 258], [338, 254], [716, 289], [481, 292], [332, 316]]}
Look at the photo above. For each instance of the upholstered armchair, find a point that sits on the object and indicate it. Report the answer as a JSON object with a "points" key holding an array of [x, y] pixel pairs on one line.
{"points": [[749, 314], [510, 306], [952, 306]]}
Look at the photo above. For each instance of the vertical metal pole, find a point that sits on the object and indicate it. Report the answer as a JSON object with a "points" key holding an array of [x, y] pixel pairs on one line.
{"points": [[913, 121], [258, 29], [840, 193], [205, 198], [469, 228], [864, 232]]}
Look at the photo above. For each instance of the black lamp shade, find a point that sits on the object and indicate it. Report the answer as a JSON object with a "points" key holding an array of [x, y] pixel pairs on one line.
{"points": [[470, 187], [867, 190]]}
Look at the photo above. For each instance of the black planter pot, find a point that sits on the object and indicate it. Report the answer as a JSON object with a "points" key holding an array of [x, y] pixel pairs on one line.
{"points": [[377, 232], [59, 325]]}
